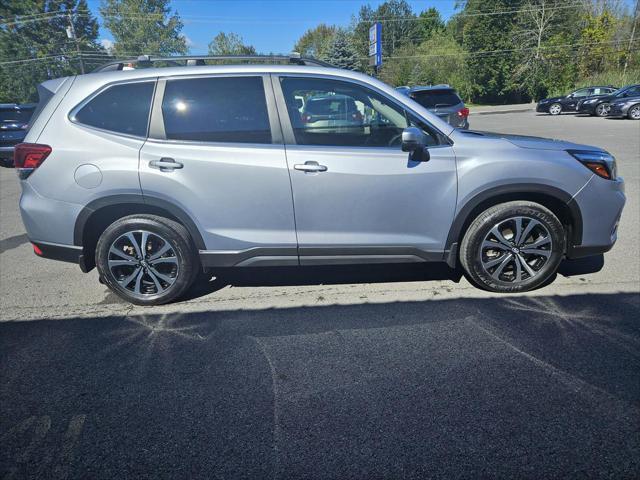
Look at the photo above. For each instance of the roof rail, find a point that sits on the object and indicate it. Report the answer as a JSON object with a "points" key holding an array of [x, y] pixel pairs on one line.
{"points": [[195, 60]]}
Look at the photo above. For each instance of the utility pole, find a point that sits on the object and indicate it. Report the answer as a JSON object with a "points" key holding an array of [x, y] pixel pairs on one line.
{"points": [[71, 33], [633, 34]]}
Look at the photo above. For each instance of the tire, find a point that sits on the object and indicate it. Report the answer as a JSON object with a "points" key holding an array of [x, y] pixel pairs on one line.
{"points": [[602, 110], [132, 275], [555, 109], [496, 265], [634, 112]]}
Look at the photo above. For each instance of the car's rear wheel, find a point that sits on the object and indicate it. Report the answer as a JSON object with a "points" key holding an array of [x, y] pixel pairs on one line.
{"points": [[602, 110], [634, 112], [146, 259], [555, 109], [513, 247]]}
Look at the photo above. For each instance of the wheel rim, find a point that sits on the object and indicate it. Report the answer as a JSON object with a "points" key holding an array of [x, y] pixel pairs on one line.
{"points": [[516, 250], [635, 113], [603, 109], [554, 109], [143, 263]]}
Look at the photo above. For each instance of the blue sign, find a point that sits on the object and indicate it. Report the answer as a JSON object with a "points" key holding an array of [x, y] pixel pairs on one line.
{"points": [[375, 44]]}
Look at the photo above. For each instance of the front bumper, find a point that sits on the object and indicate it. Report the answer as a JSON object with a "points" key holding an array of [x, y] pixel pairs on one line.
{"points": [[589, 108], [542, 108], [601, 203], [618, 110]]}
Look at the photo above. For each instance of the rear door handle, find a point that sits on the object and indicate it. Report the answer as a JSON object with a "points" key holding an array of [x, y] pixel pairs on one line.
{"points": [[165, 164], [310, 167]]}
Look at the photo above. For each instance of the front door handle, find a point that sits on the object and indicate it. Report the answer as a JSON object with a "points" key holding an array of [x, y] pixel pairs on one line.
{"points": [[165, 164], [310, 167]]}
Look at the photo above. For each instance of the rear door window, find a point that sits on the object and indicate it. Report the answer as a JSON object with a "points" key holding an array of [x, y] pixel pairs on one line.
{"points": [[216, 109], [436, 98], [122, 108]]}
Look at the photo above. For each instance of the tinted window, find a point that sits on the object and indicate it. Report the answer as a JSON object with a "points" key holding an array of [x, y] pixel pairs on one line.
{"points": [[436, 98], [583, 92], [340, 113], [632, 92], [120, 108], [17, 115], [224, 109]]}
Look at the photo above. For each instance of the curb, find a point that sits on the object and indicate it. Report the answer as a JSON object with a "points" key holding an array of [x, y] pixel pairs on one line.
{"points": [[496, 112]]}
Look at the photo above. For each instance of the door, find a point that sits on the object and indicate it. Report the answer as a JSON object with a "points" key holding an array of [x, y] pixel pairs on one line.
{"points": [[357, 196], [216, 152], [571, 101]]}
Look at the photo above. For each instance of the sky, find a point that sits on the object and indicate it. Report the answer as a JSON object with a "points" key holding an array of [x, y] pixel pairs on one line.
{"points": [[271, 26]]}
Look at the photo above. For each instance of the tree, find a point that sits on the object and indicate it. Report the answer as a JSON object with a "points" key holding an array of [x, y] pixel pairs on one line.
{"points": [[39, 45], [487, 40], [314, 42], [399, 27], [429, 23], [542, 35], [143, 27], [229, 44], [340, 51]]}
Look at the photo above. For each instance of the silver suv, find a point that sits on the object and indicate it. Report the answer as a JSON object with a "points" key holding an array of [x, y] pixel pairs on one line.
{"points": [[154, 175]]}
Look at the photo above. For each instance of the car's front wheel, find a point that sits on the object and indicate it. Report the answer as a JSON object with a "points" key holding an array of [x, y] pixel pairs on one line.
{"points": [[146, 259], [602, 110], [513, 247], [634, 112], [555, 109]]}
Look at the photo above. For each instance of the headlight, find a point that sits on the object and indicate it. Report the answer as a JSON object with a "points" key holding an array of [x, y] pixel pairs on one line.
{"points": [[602, 164], [544, 100]]}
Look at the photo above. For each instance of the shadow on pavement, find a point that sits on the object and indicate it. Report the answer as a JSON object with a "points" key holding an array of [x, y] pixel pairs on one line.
{"points": [[509, 387], [350, 274]]}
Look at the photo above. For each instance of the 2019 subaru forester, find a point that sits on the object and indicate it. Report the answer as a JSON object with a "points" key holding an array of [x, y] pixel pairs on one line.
{"points": [[155, 174]]}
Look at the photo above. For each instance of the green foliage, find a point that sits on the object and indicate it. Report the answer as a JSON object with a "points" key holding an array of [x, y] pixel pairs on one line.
{"points": [[340, 52], [314, 42], [482, 37], [41, 49], [143, 27], [229, 44], [430, 23]]}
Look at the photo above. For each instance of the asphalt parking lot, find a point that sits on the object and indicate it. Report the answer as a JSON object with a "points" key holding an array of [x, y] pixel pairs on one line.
{"points": [[393, 372]]}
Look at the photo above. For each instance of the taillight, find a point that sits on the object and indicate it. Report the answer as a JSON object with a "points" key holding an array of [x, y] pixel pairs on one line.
{"points": [[306, 118], [356, 116], [29, 156], [463, 113]]}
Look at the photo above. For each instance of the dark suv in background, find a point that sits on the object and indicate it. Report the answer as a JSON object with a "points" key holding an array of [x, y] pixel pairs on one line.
{"points": [[443, 101], [601, 105], [14, 122], [569, 102]]}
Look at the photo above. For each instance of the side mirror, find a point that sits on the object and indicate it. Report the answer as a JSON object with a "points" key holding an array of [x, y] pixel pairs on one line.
{"points": [[414, 141]]}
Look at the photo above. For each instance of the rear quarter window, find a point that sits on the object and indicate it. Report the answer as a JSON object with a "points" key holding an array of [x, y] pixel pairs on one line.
{"points": [[120, 108]]}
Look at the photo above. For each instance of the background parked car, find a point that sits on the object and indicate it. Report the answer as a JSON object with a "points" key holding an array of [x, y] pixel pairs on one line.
{"points": [[443, 101], [14, 122], [600, 105], [626, 107], [568, 103], [331, 113]]}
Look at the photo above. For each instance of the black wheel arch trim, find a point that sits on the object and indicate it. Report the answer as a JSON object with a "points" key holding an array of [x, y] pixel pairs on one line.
{"points": [[463, 219], [135, 199]]}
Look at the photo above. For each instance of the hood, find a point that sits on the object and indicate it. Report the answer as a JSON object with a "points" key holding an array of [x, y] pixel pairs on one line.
{"points": [[524, 141], [599, 97]]}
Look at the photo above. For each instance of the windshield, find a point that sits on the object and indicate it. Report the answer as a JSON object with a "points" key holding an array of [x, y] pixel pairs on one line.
{"points": [[433, 98]]}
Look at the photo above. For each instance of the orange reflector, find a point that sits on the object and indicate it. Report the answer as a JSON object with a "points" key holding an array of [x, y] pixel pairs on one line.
{"points": [[36, 250], [599, 169]]}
